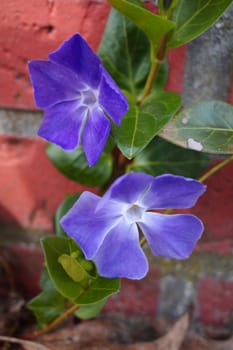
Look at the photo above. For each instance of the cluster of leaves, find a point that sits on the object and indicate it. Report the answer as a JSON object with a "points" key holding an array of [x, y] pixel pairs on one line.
{"points": [[150, 136], [69, 278]]}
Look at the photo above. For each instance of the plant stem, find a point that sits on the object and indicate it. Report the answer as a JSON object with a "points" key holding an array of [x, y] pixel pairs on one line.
{"points": [[142, 241], [157, 57], [156, 60], [150, 80], [53, 324], [215, 169]]}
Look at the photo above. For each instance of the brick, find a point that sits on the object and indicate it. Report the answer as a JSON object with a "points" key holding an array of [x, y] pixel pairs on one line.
{"points": [[176, 60], [137, 297], [215, 206], [30, 187], [215, 302], [30, 30], [38, 28], [27, 265], [223, 247]]}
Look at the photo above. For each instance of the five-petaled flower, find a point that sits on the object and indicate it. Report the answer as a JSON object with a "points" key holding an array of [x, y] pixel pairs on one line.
{"points": [[108, 229], [78, 96]]}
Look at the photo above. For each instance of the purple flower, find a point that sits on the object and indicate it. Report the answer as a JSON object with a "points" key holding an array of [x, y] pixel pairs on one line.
{"points": [[78, 96], [108, 228]]}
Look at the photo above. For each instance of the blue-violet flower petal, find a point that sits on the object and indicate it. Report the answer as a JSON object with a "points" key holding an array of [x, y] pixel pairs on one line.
{"points": [[78, 96], [108, 228]]}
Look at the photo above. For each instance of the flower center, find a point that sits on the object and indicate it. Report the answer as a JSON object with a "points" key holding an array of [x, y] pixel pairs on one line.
{"points": [[134, 214], [89, 97]]}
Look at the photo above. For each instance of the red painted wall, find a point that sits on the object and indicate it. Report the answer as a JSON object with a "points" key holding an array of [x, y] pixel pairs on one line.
{"points": [[30, 187]]}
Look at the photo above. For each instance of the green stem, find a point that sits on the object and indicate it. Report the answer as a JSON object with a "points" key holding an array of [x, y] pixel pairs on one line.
{"points": [[167, 10], [172, 7], [156, 61], [150, 80], [53, 324], [215, 169], [159, 55], [142, 241]]}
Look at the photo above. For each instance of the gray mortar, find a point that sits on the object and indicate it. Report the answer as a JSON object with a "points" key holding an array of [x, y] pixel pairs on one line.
{"points": [[20, 122], [209, 63], [179, 279]]}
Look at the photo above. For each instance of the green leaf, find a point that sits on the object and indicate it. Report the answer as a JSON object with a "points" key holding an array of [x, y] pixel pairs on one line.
{"points": [[91, 310], [73, 268], [161, 157], [99, 290], [62, 210], [92, 290], [45, 280], [153, 25], [47, 306], [207, 127], [162, 77], [128, 62], [141, 124], [74, 166], [194, 17], [53, 248]]}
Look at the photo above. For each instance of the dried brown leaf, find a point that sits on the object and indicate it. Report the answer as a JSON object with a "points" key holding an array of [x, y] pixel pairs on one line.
{"points": [[221, 345], [25, 344], [196, 342], [172, 340], [102, 335]]}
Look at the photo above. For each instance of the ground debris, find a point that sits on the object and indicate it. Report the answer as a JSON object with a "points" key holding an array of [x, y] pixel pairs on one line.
{"points": [[10, 311], [110, 331], [194, 341], [18, 344], [102, 335]]}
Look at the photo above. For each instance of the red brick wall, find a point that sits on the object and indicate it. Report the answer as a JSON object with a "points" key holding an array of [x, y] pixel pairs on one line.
{"points": [[30, 187]]}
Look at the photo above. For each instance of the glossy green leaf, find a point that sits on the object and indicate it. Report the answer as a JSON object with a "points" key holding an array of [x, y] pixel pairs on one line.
{"points": [[62, 210], [141, 124], [73, 268], [161, 157], [128, 61], [45, 280], [74, 166], [207, 127], [194, 17], [153, 25], [99, 290], [47, 306], [91, 310], [53, 248]]}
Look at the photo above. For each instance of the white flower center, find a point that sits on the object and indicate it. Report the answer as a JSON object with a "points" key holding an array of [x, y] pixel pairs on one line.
{"points": [[89, 97], [134, 214]]}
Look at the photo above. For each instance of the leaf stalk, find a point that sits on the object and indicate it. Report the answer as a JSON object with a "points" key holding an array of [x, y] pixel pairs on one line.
{"points": [[156, 60], [53, 324], [215, 169]]}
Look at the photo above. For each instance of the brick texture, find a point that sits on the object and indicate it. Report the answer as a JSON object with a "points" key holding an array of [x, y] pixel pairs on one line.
{"points": [[30, 30], [31, 188]]}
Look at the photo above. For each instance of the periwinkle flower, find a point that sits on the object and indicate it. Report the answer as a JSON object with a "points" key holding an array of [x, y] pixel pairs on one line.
{"points": [[108, 229], [78, 96]]}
